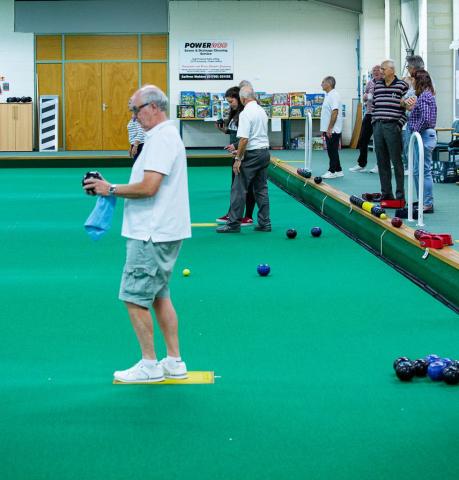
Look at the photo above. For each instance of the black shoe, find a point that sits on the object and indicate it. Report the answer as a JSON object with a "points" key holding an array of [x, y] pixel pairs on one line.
{"points": [[429, 209], [265, 228], [227, 229]]}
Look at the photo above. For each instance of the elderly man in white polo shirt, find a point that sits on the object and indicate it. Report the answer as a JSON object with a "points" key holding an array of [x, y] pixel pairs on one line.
{"points": [[331, 126], [156, 220], [251, 165]]}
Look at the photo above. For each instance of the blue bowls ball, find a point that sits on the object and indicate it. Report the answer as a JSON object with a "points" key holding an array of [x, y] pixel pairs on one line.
{"points": [[316, 231], [263, 269], [431, 358], [435, 371], [446, 361]]}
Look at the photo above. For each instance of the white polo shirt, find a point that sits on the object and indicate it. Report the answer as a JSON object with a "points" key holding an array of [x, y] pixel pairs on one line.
{"points": [[332, 101], [253, 124], [164, 217]]}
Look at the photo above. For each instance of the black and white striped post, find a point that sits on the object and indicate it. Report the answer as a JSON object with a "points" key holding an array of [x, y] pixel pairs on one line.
{"points": [[49, 116]]}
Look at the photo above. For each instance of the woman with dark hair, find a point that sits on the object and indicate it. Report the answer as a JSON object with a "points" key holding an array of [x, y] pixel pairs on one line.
{"points": [[423, 119], [236, 107]]}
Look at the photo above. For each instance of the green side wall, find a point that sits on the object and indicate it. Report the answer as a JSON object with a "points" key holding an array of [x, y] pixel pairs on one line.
{"points": [[437, 276]]}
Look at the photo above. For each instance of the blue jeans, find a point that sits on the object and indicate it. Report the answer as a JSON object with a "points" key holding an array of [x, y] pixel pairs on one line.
{"points": [[406, 134], [429, 139]]}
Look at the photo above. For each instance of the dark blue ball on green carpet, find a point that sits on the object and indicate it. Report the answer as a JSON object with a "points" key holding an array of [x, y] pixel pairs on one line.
{"points": [[446, 361], [451, 375], [405, 371], [263, 269], [316, 231], [435, 371], [399, 360], [420, 367]]}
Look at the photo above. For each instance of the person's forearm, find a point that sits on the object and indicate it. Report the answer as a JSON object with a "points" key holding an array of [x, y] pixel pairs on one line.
{"points": [[136, 190], [241, 147]]}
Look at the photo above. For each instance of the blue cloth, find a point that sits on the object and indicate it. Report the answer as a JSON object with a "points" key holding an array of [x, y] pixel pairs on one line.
{"points": [[100, 219]]}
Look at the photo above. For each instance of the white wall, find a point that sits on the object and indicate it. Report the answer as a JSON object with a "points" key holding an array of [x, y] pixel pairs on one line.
{"points": [[16, 55], [393, 40], [279, 46], [440, 56], [410, 21], [372, 34]]}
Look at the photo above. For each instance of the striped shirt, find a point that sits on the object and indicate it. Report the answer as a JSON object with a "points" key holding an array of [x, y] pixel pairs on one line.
{"points": [[386, 101], [136, 132], [424, 113]]}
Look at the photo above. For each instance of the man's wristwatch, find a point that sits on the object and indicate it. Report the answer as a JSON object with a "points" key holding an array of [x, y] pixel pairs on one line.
{"points": [[112, 190], [237, 159]]}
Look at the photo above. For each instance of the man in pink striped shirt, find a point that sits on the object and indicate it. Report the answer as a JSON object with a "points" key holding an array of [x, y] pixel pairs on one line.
{"points": [[367, 129]]}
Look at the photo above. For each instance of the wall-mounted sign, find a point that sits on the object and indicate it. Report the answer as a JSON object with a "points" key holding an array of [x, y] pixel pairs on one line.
{"points": [[206, 60]]}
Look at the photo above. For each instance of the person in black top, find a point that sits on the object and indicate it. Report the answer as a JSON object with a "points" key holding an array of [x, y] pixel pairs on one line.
{"points": [[230, 128]]}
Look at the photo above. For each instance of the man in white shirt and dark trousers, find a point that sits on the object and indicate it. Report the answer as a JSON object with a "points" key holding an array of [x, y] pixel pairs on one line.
{"points": [[251, 165], [156, 220], [331, 125]]}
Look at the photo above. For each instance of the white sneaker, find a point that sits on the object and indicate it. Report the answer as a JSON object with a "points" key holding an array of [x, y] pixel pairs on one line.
{"points": [[140, 373], [405, 173], [374, 169], [357, 168], [339, 174], [329, 175], [174, 369]]}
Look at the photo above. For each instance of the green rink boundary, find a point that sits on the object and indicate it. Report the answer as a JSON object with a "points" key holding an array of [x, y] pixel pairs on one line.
{"points": [[437, 272], [97, 161]]}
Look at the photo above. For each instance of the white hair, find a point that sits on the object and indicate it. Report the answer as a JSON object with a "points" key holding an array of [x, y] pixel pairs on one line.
{"points": [[245, 83], [247, 93], [389, 62], [153, 94]]}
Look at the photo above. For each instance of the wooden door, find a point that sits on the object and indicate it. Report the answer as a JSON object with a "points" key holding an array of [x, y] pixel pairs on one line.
{"points": [[83, 106], [119, 82], [155, 74], [23, 134], [7, 128], [49, 81]]}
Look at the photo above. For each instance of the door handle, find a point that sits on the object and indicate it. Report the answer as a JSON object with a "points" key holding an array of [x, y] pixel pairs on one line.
{"points": [[104, 107]]}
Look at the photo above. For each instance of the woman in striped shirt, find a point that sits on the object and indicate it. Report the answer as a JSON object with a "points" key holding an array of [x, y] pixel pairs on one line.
{"points": [[423, 119]]}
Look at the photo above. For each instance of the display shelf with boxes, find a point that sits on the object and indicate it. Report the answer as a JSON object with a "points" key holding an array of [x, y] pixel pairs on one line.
{"points": [[200, 108]]}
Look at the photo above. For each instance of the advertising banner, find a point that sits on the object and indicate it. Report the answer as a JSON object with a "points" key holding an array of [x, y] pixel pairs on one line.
{"points": [[206, 60]]}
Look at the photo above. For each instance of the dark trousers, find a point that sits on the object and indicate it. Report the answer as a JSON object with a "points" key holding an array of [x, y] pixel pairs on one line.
{"points": [[254, 171], [388, 146], [332, 150], [250, 198], [364, 139]]}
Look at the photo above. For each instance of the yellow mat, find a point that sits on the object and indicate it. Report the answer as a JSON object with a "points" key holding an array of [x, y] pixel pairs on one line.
{"points": [[193, 378]]}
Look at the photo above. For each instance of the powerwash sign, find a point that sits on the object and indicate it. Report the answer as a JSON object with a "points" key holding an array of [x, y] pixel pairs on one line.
{"points": [[209, 60]]}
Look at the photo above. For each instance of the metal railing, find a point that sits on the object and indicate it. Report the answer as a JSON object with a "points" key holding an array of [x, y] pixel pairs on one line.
{"points": [[308, 141], [415, 137]]}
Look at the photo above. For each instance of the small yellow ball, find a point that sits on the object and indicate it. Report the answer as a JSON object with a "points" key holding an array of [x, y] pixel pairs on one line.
{"points": [[383, 216], [186, 272]]}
